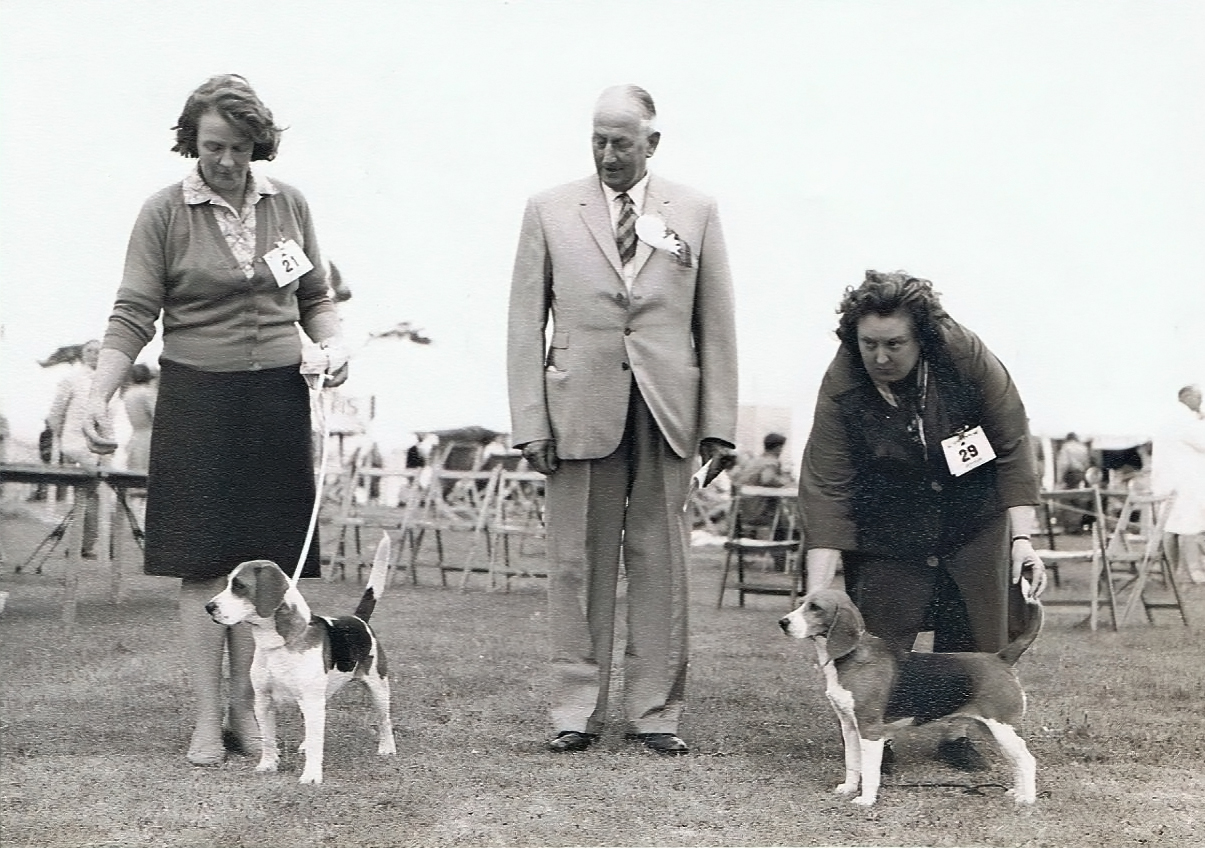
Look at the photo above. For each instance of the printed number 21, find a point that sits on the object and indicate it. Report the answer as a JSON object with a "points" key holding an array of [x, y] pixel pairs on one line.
{"points": [[286, 262], [967, 453]]}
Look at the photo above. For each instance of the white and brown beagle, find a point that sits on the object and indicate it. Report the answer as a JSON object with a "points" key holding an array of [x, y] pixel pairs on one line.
{"points": [[871, 686], [303, 657]]}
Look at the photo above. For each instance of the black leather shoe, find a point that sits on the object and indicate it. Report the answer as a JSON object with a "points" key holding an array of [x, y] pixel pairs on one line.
{"points": [[887, 767], [961, 754], [662, 743], [571, 740]]}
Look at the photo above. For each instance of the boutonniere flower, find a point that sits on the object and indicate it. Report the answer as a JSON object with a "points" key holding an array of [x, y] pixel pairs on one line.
{"points": [[653, 231]]}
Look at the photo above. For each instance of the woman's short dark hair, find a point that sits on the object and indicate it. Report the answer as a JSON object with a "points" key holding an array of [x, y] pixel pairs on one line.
{"points": [[883, 293], [232, 97]]}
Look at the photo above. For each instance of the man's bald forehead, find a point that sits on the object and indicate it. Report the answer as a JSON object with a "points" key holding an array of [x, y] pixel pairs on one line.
{"points": [[623, 98]]}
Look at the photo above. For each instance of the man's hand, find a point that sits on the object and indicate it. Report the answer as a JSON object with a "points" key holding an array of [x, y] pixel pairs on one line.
{"points": [[541, 455], [98, 428], [720, 454]]}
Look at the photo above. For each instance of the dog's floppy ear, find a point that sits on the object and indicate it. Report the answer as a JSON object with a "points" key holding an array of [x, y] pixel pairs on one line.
{"points": [[290, 623], [270, 587], [845, 629]]}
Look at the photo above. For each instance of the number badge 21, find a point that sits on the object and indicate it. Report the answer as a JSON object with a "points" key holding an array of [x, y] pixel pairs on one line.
{"points": [[287, 262], [967, 450]]}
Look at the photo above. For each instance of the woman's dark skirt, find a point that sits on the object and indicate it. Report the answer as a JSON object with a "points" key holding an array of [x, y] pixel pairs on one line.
{"points": [[231, 472]]}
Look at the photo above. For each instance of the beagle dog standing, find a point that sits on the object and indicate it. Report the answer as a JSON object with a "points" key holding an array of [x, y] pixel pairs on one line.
{"points": [[306, 658], [870, 686]]}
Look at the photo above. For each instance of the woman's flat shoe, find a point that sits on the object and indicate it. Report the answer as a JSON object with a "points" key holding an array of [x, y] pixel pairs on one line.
{"points": [[204, 750], [206, 756]]}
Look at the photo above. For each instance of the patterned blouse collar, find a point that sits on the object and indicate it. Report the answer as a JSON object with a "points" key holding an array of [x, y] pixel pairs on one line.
{"points": [[196, 190]]}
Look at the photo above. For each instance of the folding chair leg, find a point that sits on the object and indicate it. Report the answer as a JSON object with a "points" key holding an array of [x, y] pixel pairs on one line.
{"points": [[724, 579], [506, 559], [795, 572], [409, 535], [1170, 576], [468, 563], [740, 578], [1112, 591], [1137, 587]]}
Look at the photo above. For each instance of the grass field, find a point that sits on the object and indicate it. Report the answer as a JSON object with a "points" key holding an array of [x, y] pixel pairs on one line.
{"points": [[94, 726]]}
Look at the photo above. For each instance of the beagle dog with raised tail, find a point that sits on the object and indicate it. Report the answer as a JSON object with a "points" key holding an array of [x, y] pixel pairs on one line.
{"points": [[305, 658], [871, 687]]}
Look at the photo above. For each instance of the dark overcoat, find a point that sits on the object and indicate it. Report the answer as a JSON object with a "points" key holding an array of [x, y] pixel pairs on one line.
{"points": [[870, 485]]}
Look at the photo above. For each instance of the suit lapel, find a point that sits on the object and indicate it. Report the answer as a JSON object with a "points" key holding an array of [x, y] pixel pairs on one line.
{"points": [[597, 218]]}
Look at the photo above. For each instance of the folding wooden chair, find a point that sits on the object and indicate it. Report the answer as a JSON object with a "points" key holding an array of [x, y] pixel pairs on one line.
{"points": [[1140, 554], [354, 518], [457, 501], [518, 511], [783, 543], [1098, 573]]}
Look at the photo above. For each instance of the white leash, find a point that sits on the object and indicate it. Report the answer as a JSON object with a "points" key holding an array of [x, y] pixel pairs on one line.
{"points": [[320, 365], [319, 485]]}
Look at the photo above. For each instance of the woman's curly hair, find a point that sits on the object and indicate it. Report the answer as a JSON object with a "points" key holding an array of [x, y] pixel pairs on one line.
{"points": [[883, 293], [232, 97]]}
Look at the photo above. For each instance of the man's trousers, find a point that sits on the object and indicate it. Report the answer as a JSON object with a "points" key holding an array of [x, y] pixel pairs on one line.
{"points": [[624, 507]]}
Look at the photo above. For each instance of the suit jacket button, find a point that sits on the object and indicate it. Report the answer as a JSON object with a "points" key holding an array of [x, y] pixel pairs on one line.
{"points": [[935, 486], [932, 562], [627, 331], [620, 298], [625, 366]]}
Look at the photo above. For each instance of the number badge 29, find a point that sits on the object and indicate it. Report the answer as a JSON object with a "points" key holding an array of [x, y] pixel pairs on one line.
{"points": [[287, 262], [967, 450]]}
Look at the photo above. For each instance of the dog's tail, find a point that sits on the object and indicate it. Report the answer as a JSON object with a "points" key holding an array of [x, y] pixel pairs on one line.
{"points": [[1011, 652], [376, 580]]}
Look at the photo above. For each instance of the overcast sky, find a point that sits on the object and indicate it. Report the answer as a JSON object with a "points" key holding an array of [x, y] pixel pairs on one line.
{"points": [[1040, 162]]}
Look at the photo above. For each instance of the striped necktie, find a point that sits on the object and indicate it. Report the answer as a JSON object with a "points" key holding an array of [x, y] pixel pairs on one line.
{"points": [[625, 229]]}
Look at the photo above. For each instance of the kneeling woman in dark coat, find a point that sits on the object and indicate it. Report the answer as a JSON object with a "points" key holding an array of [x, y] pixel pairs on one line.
{"points": [[919, 477]]}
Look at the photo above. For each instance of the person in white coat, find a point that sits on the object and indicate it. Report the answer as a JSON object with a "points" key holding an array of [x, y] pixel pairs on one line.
{"points": [[66, 421], [1178, 465]]}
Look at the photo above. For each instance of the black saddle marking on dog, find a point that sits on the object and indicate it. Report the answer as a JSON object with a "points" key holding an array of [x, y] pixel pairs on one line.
{"points": [[349, 640], [929, 687]]}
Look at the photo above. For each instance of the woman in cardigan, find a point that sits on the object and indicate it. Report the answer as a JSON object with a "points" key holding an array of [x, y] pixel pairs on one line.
{"points": [[919, 478], [228, 259]]}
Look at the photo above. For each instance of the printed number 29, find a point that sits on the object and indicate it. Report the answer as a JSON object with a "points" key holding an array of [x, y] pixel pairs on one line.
{"points": [[968, 452]]}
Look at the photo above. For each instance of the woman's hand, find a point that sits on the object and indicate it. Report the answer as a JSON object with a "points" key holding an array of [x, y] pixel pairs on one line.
{"points": [[337, 377], [1025, 557], [98, 428]]}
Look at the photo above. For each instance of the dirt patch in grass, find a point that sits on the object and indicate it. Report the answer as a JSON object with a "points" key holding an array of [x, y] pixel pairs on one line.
{"points": [[94, 726]]}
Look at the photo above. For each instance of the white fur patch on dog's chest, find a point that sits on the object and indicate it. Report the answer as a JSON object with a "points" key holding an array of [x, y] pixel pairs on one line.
{"points": [[289, 674]]}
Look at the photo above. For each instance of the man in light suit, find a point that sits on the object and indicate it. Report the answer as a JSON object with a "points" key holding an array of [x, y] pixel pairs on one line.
{"points": [[638, 375]]}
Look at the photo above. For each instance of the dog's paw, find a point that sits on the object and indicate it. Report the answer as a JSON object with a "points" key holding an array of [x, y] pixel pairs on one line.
{"points": [[266, 765], [387, 748], [846, 788], [310, 778], [865, 800], [1021, 799]]}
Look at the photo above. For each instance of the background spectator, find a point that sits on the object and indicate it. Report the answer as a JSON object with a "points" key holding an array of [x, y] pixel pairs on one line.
{"points": [[66, 423], [1178, 466]]}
